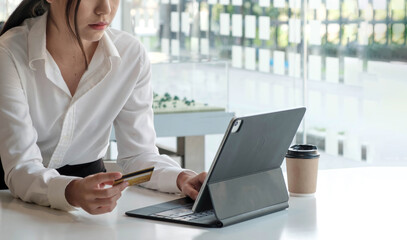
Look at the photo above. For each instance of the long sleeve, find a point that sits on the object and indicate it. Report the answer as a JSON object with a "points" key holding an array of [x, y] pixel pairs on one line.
{"points": [[43, 127], [135, 134], [25, 174]]}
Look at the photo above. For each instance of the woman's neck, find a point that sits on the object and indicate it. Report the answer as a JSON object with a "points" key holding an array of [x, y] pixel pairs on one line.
{"points": [[63, 45], [66, 52]]}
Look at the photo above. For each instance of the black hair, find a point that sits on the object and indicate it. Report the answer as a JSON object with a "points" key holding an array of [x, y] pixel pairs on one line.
{"points": [[26, 9], [34, 8]]}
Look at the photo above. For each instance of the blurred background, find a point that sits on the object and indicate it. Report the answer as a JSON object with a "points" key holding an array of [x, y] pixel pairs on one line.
{"points": [[345, 60]]}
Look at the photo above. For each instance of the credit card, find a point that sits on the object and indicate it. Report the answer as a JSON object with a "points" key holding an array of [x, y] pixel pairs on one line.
{"points": [[137, 177]]}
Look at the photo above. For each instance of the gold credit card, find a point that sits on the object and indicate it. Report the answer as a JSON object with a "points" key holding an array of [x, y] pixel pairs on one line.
{"points": [[136, 177]]}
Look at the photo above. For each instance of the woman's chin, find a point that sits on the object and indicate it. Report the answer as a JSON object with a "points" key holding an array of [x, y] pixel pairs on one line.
{"points": [[92, 37]]}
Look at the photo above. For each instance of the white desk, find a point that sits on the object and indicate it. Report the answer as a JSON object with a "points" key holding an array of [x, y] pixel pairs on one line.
{"points": [[359, 203]]}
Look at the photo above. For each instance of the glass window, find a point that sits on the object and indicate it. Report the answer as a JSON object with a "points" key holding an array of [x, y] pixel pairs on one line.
{"points": [[345, 60], [398, 33], [7, 7]]}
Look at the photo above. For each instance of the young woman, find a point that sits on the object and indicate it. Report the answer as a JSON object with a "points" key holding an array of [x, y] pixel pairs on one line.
{"points": [[66, 78]]}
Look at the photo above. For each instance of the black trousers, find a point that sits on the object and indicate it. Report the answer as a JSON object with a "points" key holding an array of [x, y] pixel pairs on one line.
{"points": [[80, 170]]}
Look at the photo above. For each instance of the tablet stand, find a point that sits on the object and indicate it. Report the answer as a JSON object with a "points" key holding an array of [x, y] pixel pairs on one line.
{"points": [[247, 197]]}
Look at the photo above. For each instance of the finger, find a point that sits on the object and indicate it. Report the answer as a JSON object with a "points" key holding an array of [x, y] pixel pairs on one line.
{"points": [[108, 183], [191, 192], [106, 209], [94, 206], [103, 185], [111, 183], [123, 185], [197, 186], [102, 210], [202, 177], [106, 192], [102, 202], [104, 177], [110, 192], [198, 180]]}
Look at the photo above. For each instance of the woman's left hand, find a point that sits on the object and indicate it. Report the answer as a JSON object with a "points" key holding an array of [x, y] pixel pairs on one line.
{"points": [[190, 183]]}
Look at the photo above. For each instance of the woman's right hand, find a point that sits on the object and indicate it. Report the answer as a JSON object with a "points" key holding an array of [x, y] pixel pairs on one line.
{"points": [[90, 193]]}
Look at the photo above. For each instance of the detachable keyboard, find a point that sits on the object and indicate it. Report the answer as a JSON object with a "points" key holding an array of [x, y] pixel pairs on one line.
{"points": [[183, 214], [178, 211]]}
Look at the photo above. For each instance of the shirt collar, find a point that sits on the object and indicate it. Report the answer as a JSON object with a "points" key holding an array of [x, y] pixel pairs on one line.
{"points": [[108, 45], [37, 42]]}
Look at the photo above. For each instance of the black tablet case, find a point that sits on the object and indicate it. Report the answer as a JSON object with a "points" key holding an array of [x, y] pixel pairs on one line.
{"points": [[245, 179]]}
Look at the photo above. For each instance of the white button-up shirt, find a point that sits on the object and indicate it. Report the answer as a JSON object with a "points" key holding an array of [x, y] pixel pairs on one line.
{"points": [[44, 127]]}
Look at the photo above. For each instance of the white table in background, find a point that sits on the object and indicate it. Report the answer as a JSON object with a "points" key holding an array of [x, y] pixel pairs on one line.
{"points": [[355, 203], [190, 129]]}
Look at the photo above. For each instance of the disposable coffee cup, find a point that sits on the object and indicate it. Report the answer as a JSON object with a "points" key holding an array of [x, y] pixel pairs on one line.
{"points": [[302, 170]]}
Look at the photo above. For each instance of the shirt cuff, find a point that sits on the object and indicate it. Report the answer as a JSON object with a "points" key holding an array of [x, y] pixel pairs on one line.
{"points": [[168, 179], [56, 193]]}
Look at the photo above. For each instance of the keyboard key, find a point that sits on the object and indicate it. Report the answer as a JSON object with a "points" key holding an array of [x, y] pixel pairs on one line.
{"points": [[182, 214]]}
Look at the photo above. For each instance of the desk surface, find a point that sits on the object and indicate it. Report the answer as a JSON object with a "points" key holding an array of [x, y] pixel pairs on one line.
{"points": [[358, 203]]}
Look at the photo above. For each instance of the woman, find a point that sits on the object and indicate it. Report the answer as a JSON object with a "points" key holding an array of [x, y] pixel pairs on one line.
{"points": [[65, 79]]}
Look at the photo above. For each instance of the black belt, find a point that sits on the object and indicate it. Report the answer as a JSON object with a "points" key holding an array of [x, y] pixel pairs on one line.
{"points": [[80, 170]]}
